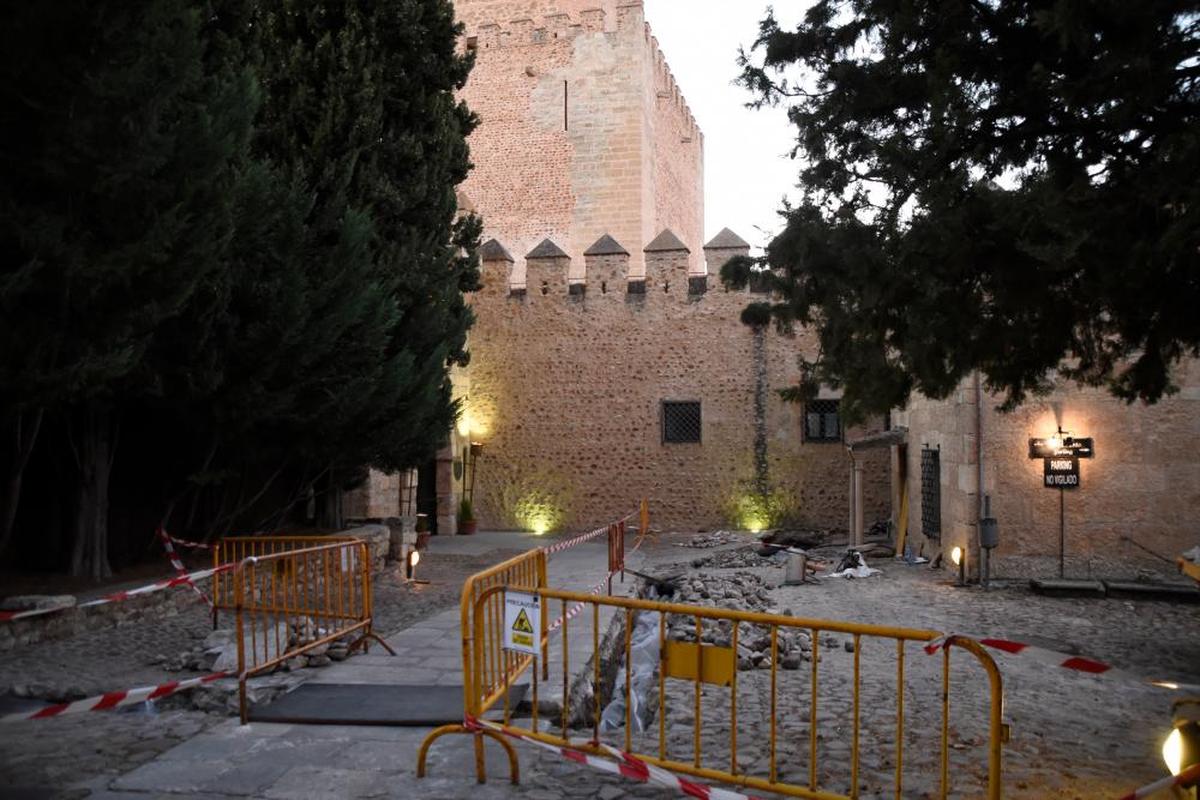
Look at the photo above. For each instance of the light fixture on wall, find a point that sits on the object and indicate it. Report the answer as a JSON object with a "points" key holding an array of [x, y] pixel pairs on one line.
{"points": [[959, 557], [472, 456]]}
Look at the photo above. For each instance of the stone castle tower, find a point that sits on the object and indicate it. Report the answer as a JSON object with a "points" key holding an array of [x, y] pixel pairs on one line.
{"points": [[584, 131], [607, 362]]}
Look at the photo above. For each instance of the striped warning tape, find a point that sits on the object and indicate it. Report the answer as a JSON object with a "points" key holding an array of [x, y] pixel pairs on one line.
{"points": [[578, 607], [621, 763], [109, 700], [186, 543], [168, 583], [180, 569], [1053, 658], [586, 537], [1187, 777]]}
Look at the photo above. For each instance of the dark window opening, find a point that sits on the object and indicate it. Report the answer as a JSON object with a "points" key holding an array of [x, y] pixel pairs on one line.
{"points": [[472, 44], [822, 422], [566, 126], [603, 287], [680, 422], [931, 493], [545, 288]]}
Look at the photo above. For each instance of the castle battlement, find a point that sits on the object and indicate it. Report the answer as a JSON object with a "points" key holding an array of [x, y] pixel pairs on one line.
{"points": [[523, 31], [546, 271]]}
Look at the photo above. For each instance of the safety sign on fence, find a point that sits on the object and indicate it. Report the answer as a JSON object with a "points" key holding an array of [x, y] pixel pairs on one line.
{"points": [[522, 620]]}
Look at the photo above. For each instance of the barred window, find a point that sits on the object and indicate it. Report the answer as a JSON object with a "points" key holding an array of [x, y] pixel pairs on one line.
{"points": [[931, 493], [822, 422], [680, 422]]}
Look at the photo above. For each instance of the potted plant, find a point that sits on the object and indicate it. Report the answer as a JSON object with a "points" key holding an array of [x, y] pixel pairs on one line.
{"points": [[422, 531], [466, 517]]}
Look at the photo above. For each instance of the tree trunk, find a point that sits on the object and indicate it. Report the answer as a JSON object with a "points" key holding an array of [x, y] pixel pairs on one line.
{"points": [[94, 449], [26, 427], [329, 502]]}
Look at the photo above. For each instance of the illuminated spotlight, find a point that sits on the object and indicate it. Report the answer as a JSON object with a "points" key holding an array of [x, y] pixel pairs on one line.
{"points": [[1181, 750], [959, 557], [410, 566]]}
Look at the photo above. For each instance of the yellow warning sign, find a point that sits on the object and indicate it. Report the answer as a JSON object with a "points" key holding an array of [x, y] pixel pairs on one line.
{"points": [[522, 618]]}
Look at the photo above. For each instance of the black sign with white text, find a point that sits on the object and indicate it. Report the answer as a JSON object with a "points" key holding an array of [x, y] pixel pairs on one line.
{"points": [[1061, 472], [1069, 446]]}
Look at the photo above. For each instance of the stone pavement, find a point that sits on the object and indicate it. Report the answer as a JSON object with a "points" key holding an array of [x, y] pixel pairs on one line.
{"points": [[305, 761]]}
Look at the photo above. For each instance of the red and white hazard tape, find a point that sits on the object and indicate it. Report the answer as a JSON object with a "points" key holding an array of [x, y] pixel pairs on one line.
{"points": [[185, 542], [1187, 777], [1055, 659], [576, 540], [168, 583], [180, 569], [624, 764], [578, 607], [573, 612], [586, 537], [109, 700]]}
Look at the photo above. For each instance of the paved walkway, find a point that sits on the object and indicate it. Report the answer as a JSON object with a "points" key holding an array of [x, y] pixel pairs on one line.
{"points": [[312, 761]]}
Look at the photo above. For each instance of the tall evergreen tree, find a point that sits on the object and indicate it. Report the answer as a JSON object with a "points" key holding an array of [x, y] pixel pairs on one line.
{"points": [[1002, 186], [115, 208]]}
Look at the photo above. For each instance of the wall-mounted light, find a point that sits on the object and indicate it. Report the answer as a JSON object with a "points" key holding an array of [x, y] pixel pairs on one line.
{"points": [[959, 557]]}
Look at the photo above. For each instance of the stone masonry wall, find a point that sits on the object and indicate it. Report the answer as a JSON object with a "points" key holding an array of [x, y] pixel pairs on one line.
{"points": [[678, 147], [565, 391], [583, 131], [1144, 482]]}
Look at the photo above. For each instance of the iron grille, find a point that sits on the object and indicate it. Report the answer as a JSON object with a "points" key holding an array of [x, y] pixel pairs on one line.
{"points": [[680, 422], [822, 421], [931, 493]]}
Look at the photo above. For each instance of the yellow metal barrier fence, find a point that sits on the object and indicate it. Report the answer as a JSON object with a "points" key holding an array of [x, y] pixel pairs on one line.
{"points": [[290, 602], [232, 549], [709, 665], [488, 669]]}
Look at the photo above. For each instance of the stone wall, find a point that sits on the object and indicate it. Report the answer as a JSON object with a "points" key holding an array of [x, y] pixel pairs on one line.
{"points": [[583, 131], [1143, 483], [565, 390]]}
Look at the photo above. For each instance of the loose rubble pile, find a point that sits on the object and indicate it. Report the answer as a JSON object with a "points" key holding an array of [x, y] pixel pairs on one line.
{"points": [[218, 651], [744, 591], [740, 558], [704, 541]]}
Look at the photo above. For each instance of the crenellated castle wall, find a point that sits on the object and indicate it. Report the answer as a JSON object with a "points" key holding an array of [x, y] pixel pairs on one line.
{"points": [[567, 380], [583, 129]]}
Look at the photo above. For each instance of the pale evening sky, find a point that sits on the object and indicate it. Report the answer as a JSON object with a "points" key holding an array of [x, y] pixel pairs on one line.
{"points": [[746, 165]]}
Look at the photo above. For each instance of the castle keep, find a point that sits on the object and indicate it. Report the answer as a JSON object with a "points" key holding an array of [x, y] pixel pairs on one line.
{"points": [[607, 362]]}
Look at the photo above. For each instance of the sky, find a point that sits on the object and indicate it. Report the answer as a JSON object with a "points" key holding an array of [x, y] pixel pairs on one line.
{"points": [[747, 169]]}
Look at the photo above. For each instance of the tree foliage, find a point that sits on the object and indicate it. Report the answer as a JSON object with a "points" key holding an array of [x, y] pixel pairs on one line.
{"points": [[1007, 187], [230, 234]]}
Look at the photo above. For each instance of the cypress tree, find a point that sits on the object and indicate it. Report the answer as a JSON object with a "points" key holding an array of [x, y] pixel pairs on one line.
{"points": [[115, 208]]}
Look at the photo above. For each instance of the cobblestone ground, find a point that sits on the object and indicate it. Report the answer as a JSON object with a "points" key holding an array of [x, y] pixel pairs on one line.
{"points": [[45, 758], [1073, 736]]}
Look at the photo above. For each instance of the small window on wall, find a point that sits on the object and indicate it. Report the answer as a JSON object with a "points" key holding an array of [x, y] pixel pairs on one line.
{"points": [[680, 422], [822, 422]]}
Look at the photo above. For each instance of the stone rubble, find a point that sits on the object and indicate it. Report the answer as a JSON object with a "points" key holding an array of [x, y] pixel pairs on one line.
{"points": [[741, 558], [704, 541], [744, 591]]}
